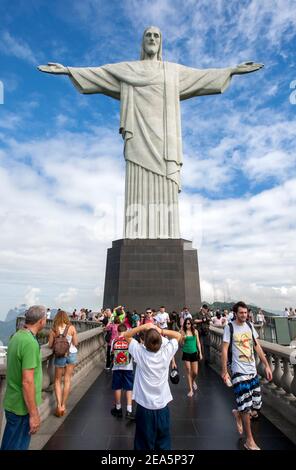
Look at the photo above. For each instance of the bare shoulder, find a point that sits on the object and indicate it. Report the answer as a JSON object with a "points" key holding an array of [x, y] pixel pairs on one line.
{"points": [[72, 330]]}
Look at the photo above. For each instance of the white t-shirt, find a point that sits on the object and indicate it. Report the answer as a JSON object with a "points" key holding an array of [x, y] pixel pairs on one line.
{"points": [[260, 318], [185, 315], [243, 360], [229, 316], [151, 387], [162, 319]]}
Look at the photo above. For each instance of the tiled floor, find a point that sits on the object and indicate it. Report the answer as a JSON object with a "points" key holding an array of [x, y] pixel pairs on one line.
{"points": [[203, 422]]}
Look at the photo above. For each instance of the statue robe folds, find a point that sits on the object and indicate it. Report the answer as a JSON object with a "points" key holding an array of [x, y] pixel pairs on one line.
{"points": [[150, 94]]}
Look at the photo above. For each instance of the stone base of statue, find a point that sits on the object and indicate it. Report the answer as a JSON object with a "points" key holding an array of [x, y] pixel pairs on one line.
{"points": [[143, 273]]}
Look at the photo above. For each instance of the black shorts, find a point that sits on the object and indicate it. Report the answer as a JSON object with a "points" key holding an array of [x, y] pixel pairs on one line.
{"points": [[190, 357]]}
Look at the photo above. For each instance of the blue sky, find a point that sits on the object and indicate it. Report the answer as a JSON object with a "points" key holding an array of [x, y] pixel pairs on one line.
{"points": [[61, 163]]}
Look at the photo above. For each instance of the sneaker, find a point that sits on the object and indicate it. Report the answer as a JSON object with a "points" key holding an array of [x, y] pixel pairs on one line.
{"points": [[116, 413], [130, 415], [194, 386]]}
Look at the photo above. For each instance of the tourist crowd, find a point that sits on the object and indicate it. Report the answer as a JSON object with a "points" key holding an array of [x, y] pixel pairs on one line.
{"points": [[150, 340]]}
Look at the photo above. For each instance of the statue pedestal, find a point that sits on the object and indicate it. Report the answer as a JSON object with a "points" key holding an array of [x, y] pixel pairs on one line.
{"points": [[143, 273]]}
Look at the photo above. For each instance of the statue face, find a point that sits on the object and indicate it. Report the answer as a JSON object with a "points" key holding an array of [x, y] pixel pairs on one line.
{"points": [[151, 41]]}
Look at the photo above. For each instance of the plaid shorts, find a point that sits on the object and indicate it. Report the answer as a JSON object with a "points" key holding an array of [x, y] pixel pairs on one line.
{"points": [[247, 392]]}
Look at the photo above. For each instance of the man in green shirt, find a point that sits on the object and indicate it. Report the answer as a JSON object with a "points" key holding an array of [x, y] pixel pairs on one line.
{"points": [[119, 312], [24, 382]]}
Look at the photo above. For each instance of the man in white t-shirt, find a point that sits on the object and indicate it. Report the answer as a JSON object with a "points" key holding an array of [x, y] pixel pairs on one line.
{"points": [[151, 388], [184, 315], [162, 318], [260, 319], [286, 312], [241, 337]]}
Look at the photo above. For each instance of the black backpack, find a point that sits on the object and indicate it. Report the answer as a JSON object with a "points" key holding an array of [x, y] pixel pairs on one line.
{"points": [[229, 355]]}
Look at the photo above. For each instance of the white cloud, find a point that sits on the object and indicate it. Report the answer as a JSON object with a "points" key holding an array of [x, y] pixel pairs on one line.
{"points": [[274, 163], [227, 33], [262, 146], [31, 296], [17, 48], [205, 173], [247, 247], [60, 214], [63, 121], [58, 211], [11, 121], [68, 297], [63, 192]]}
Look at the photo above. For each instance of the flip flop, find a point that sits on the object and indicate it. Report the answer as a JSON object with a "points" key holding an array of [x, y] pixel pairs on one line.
{"points": [[239, 426], [251, 448]]}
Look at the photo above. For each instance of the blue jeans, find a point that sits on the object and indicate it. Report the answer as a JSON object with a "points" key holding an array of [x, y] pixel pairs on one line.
{"points": [[152, 429], [16, 434]]}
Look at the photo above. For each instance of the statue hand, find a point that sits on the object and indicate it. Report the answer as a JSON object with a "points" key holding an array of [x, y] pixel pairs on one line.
{"points": [[52, 67], [247, 67]]}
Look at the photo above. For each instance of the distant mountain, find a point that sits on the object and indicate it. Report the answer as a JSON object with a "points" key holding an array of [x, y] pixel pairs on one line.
{"points": [[16, 312], [7, 328], [228, 305], [53, 312]]}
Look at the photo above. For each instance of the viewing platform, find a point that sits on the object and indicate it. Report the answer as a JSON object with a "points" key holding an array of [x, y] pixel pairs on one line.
{"points": [[203, 422]]}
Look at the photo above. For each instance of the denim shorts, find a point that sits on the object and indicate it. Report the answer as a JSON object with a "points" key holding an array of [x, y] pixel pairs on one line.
{"points": [[122, 380], [65, 361]]}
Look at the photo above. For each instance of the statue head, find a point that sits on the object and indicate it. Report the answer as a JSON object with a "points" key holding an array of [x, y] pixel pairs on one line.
{"points": [[151, 43]]}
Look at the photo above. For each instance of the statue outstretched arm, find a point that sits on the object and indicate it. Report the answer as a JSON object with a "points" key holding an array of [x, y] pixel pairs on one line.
{"points": [[246, 67], [55, 68], [199, 82], [87, 80]]}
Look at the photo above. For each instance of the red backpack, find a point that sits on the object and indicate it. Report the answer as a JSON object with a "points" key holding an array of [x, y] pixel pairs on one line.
{"points": [[121, 356]]}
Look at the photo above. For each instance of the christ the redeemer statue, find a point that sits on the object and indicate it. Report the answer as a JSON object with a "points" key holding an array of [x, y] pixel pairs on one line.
{"points": [[150, 91]]}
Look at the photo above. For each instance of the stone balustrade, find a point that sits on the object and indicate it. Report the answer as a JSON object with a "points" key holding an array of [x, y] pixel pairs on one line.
{"points": [[280, 393], [80, 325], [91, 354]]}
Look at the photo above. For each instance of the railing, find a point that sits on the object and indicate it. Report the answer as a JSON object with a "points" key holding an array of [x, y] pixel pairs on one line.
{"points": [[280, 330], [80, 325], [91, 354], [280, 393]]}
